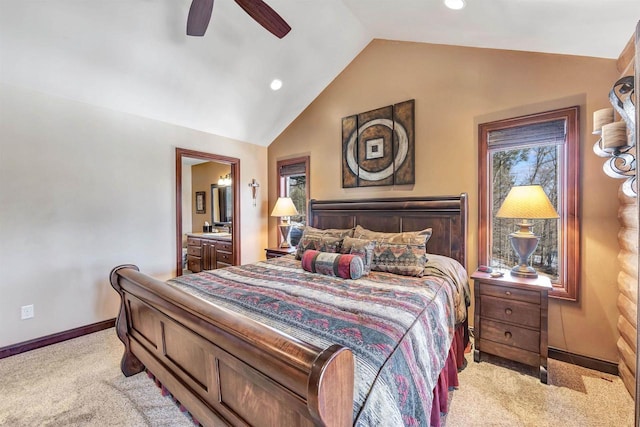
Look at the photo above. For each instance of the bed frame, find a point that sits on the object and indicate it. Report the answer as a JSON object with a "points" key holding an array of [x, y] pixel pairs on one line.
{"points": [[227, 369]]}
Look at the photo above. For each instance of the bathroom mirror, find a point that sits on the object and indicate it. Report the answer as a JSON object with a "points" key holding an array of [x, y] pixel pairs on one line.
{"points": [[221, 204]]}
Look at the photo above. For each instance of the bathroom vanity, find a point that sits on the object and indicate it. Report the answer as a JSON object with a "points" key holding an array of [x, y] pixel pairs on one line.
{"points": [[208, 251]]}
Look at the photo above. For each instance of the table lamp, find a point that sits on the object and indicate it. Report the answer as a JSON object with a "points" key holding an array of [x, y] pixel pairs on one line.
{"points": [[284, 209], [526, 202]]}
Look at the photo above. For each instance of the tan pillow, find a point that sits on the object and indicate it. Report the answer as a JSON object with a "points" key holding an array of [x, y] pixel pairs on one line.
{"points": [[319, 243], [409, 237], [329, 232], [399, 253], [328, 240], [399, 258]]}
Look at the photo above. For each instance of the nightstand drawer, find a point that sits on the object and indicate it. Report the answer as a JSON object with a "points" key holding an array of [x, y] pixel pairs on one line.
{"points": [[510, 293], [511, 335], [517, 312], [513, 353], [194, 250]]}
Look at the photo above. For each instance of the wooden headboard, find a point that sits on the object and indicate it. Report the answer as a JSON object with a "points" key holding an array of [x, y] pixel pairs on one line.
{"points": [[446, 215]]}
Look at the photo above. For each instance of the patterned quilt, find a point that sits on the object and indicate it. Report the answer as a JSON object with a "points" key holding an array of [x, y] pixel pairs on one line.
{"points": [[399, 328]]}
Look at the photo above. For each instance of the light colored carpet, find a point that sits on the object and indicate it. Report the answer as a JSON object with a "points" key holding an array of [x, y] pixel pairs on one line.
{"points": [[79, 383], [498, 392]]}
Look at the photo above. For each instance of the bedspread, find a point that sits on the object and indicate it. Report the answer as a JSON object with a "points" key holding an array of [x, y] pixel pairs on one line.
{"points": [[399, 328]]}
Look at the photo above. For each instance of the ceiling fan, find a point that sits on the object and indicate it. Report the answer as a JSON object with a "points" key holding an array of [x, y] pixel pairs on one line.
{"points": [[200, 15]]}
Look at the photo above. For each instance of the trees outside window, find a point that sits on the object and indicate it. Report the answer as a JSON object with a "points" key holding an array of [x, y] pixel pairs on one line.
{"points": [[297, 189], [538, 149], [293, 181]]}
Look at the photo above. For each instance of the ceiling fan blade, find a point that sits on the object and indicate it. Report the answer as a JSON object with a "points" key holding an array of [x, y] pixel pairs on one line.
{"points": [[199, 17], [265, 16]]}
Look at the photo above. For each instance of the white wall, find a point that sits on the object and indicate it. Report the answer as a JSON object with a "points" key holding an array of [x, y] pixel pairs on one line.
{"points": [[84, 189]]}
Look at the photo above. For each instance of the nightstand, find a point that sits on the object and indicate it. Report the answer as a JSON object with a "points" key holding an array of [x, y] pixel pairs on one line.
{"points": [[278, 252], [511, 319]]}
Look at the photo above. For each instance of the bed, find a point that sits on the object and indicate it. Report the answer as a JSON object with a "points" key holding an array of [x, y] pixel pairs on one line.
{"points": [[231, 366]]}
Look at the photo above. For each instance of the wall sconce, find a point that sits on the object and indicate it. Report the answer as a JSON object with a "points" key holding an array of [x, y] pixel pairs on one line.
{"points": [[225, 181], [254, 190], [618, 139]]}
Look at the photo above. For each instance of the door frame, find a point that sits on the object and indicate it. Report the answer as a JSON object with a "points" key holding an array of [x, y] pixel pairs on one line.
{"points": [[235, 222], [637, 131]]}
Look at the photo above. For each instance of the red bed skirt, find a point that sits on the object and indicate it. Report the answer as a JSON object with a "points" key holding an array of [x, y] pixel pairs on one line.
{"points": [[448, 378]]}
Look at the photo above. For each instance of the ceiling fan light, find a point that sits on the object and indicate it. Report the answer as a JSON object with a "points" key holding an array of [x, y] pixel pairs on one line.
{"points": [[276, 84], [455, 4]]}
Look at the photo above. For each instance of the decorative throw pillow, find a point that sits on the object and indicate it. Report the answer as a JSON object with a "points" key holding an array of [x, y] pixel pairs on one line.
{"points": [[319, 243], [337, 265], [404, 259], [399, 253], [360, 247], [410, 237], [328, 240]]}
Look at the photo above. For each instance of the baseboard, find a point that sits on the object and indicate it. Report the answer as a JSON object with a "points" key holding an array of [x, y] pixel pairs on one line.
{"points": [[14, 349], [584, 361]]}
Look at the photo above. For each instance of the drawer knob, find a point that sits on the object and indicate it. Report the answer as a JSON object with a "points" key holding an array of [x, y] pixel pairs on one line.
{"points": [[508, 311], [508, 335], [508, 293]]}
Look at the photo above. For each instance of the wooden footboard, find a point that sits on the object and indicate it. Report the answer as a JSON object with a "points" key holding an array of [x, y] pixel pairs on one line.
{"points": [[224, 367]]}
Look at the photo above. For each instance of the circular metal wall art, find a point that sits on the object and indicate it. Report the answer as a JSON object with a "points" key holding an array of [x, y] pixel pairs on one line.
{"points": [[401, 155]]}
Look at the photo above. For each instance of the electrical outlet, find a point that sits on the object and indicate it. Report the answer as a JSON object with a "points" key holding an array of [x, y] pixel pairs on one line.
{"points": [[26, 312]]}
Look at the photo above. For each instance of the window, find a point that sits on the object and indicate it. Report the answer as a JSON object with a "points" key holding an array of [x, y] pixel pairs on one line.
{"points": [[538, 149], [293, 181]]}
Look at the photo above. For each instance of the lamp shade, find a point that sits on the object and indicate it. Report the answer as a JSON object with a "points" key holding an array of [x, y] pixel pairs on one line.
{"points": [[284, 207], [527, 202]]}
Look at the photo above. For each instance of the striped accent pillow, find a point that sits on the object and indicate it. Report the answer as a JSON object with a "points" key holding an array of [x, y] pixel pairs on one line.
{"points": [[330, 264]]}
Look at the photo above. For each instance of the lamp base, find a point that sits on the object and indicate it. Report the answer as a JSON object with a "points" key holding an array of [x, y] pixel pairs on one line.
{"points": [[524, 271], [524, 243], [285, 228]]}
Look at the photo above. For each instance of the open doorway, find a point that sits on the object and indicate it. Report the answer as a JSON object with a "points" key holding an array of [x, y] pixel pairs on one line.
{"points": [[197, 202]]}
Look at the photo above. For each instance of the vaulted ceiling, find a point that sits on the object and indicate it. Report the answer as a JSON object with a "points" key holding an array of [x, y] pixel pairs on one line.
{"points": [[133, 55]]}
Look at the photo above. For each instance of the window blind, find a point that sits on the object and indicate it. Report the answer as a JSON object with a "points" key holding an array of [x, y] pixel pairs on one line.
{"points": [[294, 169], [553, 131]]}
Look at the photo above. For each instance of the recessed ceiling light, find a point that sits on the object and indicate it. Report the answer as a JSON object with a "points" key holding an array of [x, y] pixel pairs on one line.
{"points": [[276, 84], [454, 4]]}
